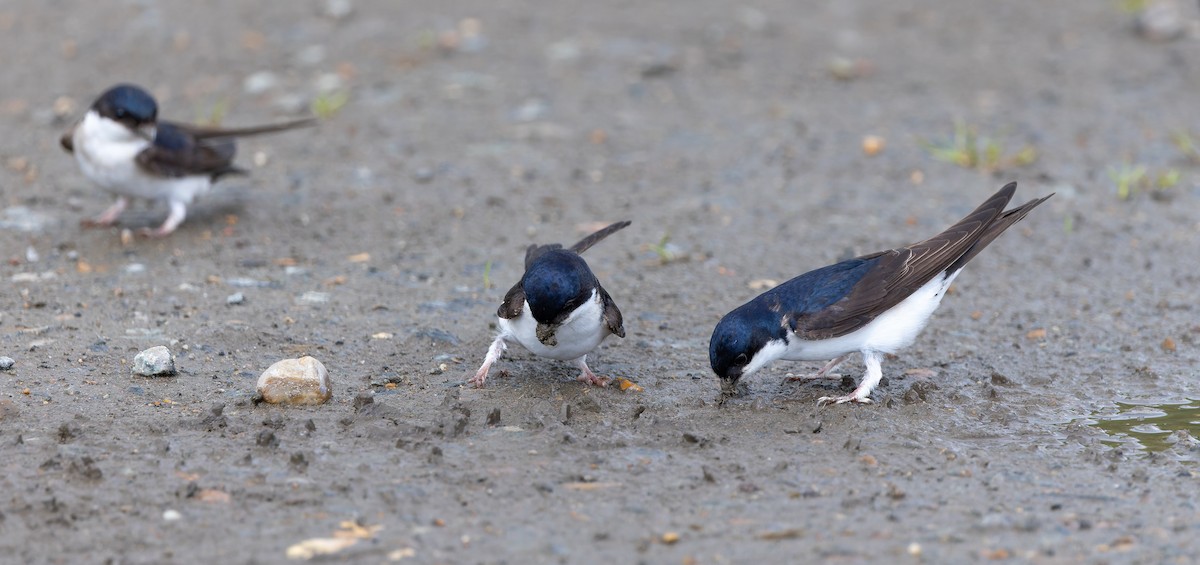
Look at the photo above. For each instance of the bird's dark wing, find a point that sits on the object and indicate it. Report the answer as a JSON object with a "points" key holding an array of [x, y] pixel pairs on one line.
{"points": [[185, 149], [583, 244], [177, 153], [612, 315], [514, 302], [897, 273]]}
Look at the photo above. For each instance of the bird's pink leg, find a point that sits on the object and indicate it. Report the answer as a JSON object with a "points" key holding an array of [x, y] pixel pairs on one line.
{"points": [[109, 216], [862, 394], [174, 218], [587, 376], [494, 353], [822, 373]]}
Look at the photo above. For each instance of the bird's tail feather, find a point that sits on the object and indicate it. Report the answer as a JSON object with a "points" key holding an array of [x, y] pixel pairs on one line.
{"points": [[206, 132], [595, 238], [997, 227]]}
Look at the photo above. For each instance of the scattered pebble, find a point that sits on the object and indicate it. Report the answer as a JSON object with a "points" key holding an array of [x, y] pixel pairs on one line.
{"points": [[762, 284], [339, 9], [135, 268], [532, 110], [260, 82], [171, 515], [6, 363], [872, 145], [1168, 345], [235, 298], [24, 219], [314, 297], [329, 82], [1161, 20], [154, 362], [843, 68], [423, 174], [295, 381], [311, 56], [245, 282]]}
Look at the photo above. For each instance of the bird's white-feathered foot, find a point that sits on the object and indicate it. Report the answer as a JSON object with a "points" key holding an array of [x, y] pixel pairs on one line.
{"points": [[587, 376], [862, 394], [109, 216], [494, 352], [823, 373]]}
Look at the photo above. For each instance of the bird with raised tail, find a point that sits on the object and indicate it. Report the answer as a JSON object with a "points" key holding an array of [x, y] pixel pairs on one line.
{"points": [[558, 309], [874, 305], [122, 146]]}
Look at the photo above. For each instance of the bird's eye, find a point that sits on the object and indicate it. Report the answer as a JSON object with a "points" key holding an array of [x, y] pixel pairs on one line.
{"points": [[741, 359]]}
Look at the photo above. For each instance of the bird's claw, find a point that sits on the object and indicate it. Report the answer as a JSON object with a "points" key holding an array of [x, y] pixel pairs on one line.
{"points": [[154, 233], [592, 379], [827, 400]]}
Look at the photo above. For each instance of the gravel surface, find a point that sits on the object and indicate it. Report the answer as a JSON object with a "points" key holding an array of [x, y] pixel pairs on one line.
{"points": [[748, 143]]}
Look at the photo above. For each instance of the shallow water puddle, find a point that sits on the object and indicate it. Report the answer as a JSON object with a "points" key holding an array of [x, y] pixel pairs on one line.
{"points": [[1149, 426]]}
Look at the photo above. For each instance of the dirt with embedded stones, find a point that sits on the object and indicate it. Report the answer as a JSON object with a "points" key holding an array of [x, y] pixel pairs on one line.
{"points": [[732, 135]]}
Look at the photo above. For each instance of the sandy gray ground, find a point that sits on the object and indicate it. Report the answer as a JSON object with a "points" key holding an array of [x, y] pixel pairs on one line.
{"points": [[718, 124]]}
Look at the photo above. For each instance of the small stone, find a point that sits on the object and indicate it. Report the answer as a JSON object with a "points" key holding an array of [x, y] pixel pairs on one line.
{"points": [[235, 298], [311, 56], [423, 174], [295, 381], [6, 363], [1161, 20], [338, 9], [171, 515], [154, 362], [260, 82], [872, 145], [25, 219]]}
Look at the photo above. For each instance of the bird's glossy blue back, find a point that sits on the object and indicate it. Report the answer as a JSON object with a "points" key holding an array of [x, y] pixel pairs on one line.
{"points": [[558, 280], [818, 289]]}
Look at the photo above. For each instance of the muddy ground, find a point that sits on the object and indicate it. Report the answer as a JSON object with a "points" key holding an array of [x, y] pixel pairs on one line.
{"points": [[382, 242]]}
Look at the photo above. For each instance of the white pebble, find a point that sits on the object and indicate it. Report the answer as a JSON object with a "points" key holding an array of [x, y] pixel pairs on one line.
{"points": [[235, 298], [153, 362], [295, 381], [311, 56], [314, 297], [171, 515], [6, 363], [338, 9], [259, 82]]}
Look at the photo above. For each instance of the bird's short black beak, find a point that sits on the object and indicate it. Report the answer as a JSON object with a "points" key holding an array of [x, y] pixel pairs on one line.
{"points": [[731, 386]]}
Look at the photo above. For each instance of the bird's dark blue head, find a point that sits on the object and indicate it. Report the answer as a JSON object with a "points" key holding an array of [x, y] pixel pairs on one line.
{"points": [[737, 338], [556, 283], [128, 104]]}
